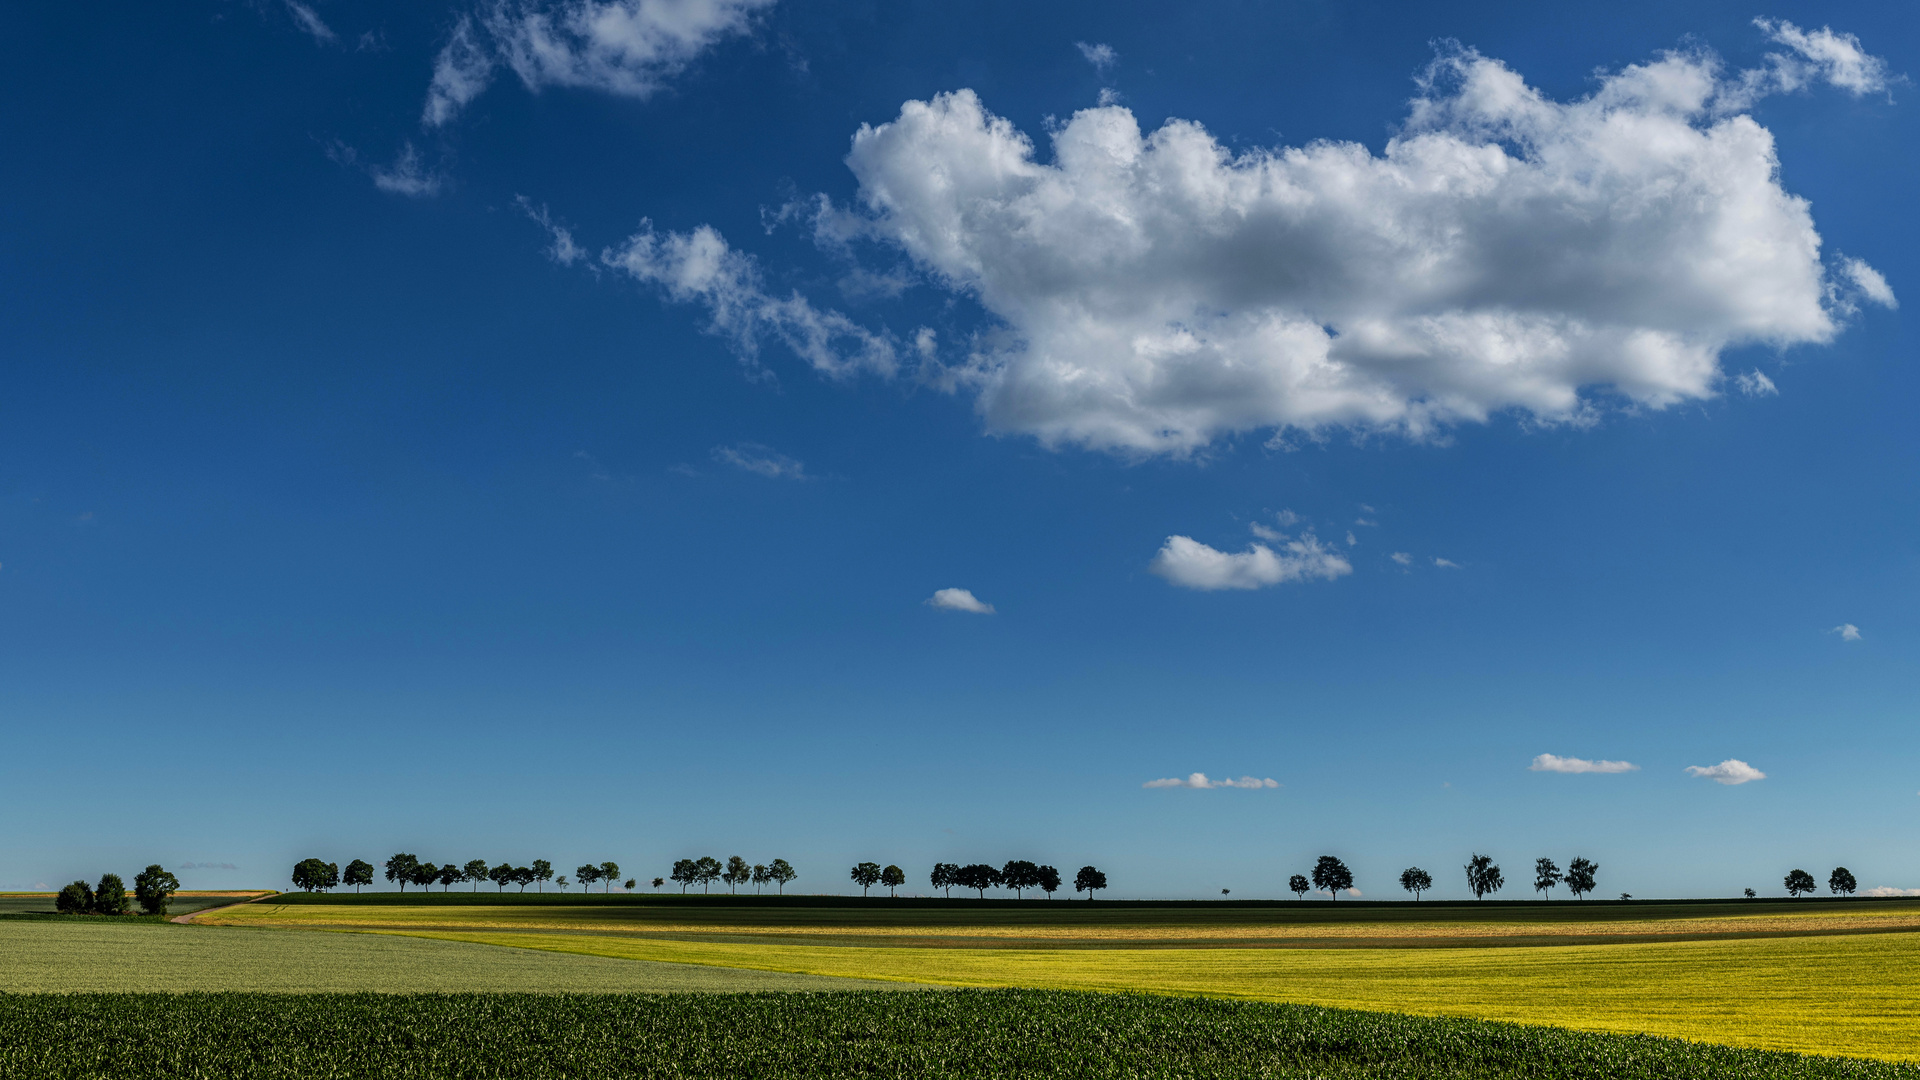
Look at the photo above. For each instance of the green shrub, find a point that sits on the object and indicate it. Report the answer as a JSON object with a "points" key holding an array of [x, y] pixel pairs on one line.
{"points": [[110, 896], [75, 899]]}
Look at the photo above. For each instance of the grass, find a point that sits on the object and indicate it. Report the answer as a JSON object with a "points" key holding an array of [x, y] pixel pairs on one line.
{"points": [[105, 955], [1030, 1034], [36, 903]]}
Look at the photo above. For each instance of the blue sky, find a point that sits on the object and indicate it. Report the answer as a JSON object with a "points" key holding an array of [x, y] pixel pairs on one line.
{"points": [[537, 429]]}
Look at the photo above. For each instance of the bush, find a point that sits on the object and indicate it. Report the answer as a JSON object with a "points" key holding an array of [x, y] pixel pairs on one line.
{"points": [[110, 896], [75, 899]]}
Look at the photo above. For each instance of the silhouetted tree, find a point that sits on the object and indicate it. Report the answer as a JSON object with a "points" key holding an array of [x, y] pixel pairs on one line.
{"points": [[1300, 886], [780, 871], [542, 873], [610, 873], [424, 874], [630, 884], [1580, 875], [866, 875], [586, 875], [154, 887], [1089, 881], [943, 877], [74, 899], [1545, 876], [476, 872], [400, 869], [1019, 874], [359, 872], [110, 896], [501, 875], [451, 875], [312, 875], [1332, 875], [1751, 894], [707, 869], [979, 877], [1415, 880], [737, 873], [659, 881], [893, 877], [1799, 881], [1483, 876], [1049, 881], [561, 882], [759, 876], [685, 872], [1841, 881]]}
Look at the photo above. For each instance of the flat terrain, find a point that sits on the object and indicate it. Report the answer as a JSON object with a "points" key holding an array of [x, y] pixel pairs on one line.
{"points": [[22, 903], [1817, 977], [96, 956], [965, 1034]]}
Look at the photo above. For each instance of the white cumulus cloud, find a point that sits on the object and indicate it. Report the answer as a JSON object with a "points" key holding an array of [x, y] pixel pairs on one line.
{"points": [[959, 600], [1190, 564], [1821, 56], [1100, 56], [1847, 632], [1730, 771], [1755, 384], [1556, 763], [1505, 252], [1870, 282], [1402, 557], [1888, 890], [625, 47], [1200, 780]]}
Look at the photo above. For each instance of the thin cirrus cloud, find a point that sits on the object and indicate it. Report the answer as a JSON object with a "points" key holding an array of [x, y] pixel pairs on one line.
{"points": [[958, 600], [1506, 252], [1190, 564], [1556, 763], [1199, 780], [628, 48], [1730, 771], [761, 461]]}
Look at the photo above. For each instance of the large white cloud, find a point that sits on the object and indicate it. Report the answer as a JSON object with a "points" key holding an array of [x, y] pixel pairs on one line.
{"points": [[1505, 252], [625, 47]]}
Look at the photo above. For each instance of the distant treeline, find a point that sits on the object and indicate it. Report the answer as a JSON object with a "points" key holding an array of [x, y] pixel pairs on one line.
{"points": [[153, 888]]}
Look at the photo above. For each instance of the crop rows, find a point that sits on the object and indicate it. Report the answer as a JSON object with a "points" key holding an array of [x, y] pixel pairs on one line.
{"points": [[1002, 1033]]}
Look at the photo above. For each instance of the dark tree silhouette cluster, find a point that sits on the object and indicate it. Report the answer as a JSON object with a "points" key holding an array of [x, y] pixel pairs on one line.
{"points": [[735, 872], [153, 889]]}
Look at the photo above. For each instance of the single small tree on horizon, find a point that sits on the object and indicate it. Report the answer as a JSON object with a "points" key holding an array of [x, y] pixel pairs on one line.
{"points": [[424, 875], [585, 875], [610, 873], [737, 873], [1089, 881], [659, 881], [1416, 881], [979, 877], [1798, 882], [110, 896], [893, 877], [359, 872], [154, 887], [400, 869], [476, 872], [561, 882], [943, 877], [780, 871], [1300, 886], [1332, 875], [1049, 881], [1580, 877], [76, 898], [685, 872], [1483, 876], [866, 875], [1019, 875], [1841, 881], [1545, 876], [312, 875], [759, 877], [523, 877], [1751, 894], [501, 875], [542, 873], [451, 875], [708, 870]]}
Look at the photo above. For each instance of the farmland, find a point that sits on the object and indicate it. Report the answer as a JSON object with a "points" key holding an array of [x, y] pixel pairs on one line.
{"points": [[22, 903], [1832, 977], [946, 1035]]}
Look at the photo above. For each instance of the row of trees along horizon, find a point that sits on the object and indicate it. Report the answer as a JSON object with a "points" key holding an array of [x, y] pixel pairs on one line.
{"points": [[153, 890], [1330, 875]]}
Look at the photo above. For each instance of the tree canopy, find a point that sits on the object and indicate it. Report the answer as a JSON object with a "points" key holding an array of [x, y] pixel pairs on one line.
{"points": [[110, 896], [312, 875], [1483, 876], [155, 886], [1580, 877], [893, 877], [1841, 881], [1415, 880], [1332, 875], [359, 872], [866, 875], [737, 873], [1089, 881], [1798, 882], [1300, 885], [779, 871], [400, 869], [1545, 876]]}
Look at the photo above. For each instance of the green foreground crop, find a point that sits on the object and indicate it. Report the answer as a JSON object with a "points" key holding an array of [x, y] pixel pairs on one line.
{"points": [[1030, 1034]]}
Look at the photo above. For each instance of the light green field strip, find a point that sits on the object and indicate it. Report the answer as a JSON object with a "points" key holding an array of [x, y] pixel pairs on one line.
{"points": [[51, 957], [1828, 995]]}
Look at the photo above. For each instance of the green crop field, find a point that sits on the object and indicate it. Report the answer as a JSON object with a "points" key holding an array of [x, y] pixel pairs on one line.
{"points": [[97, 955], [1032, 1034], [25, 903]]}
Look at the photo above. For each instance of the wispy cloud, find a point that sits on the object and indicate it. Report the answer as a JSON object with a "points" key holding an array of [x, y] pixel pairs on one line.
{"points": [[1445, 564], [1730, 771], [761, 461], [959, 600], [309, 21], [1556, 763], [1200, 780], [1888, 890], [563, 249], [1402, 557], [1190, 564], [1847, 631], [408, 175], [1755, 384], [1101, 56]]}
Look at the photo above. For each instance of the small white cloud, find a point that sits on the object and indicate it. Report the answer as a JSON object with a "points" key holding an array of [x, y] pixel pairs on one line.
{"points": [[1730, 771], [1287, 519], [1824, 56], [959, 600], [1368, 522], [1847, 632], [1200, 781], [1556, 763], [1888, 890], [460, 73], [1190, 564], [1448, 564], [1401, 557], [306, 19], [1101, 56], [1755, 384], [1352, 539], [1870, 282], [761, 461], [563, 250], [1264, 533], [408, 175]]}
